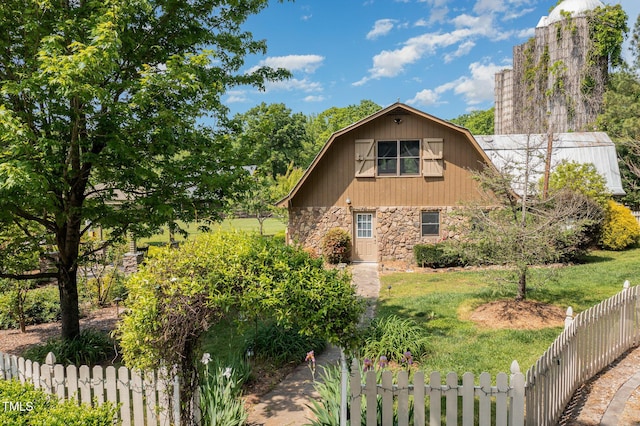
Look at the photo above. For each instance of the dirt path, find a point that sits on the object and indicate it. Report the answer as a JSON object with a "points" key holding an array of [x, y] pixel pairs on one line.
{"points": [[286, 405], [14, 342]]}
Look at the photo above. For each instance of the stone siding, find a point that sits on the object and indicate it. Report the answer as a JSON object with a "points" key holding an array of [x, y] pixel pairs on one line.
{"points": [[398, 229]]}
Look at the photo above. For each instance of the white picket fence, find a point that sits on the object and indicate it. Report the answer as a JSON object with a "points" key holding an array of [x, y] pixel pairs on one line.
{"points": [[636, 215], [590, 342], [144, 397], [465, 402]]}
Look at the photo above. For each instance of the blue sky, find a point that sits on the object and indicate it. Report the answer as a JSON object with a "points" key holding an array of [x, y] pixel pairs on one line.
{"points": [[439, 56]]}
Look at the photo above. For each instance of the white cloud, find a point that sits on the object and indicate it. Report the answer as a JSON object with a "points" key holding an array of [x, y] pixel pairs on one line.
{"points": [[312, 98], [526, 33], [468, 29], [390, 63], [479, 87], [381, 27], [434, 3], [424, 97], [476, 88], [515, 14], [463, 49], [305, 63], [237, 96], [304, 85], [438, 14], [488, 6]]}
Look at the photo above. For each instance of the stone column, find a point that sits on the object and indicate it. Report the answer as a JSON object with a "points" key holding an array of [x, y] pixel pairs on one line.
{"points": [[133, 257]]}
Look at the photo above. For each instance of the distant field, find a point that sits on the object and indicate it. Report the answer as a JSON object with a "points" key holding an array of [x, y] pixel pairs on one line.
{"points": [[271, 227]]}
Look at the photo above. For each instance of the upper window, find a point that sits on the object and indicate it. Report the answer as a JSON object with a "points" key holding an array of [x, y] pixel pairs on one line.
{"points": [[398, 158], [410, 157], [430, 223]]}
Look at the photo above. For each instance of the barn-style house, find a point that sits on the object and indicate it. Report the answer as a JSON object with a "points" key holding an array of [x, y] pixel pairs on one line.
{"points": [[391, 180]]}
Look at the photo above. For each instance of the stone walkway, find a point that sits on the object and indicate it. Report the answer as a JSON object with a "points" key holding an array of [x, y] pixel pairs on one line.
{"points": [[286, 404], [612, 398]]}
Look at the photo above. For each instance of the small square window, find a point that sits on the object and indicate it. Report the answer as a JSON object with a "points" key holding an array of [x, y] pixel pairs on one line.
{"points": [[430, 223]]}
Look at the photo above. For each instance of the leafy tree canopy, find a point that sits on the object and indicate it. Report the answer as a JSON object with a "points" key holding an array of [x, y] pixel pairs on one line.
{"points": [[100, 102], [582, 178], [479, 122], [271, 137], [322, 126]]}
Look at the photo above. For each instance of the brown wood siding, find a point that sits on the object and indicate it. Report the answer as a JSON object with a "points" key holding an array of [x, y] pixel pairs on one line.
{"points": [[333, 179]]}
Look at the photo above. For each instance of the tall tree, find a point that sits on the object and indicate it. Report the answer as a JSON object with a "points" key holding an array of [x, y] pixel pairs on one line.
{"points": [[523, 231], [323, 125], [271, 137], [479, 122], [100, 101], [621, 120]]}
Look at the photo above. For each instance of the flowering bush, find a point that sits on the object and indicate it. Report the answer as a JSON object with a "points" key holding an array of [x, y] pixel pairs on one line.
{"points": [[620, 229], [336, 246], [220, 391]]}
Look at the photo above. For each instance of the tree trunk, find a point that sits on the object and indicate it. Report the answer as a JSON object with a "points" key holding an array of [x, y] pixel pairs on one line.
{"points": [[70, 313], [522, 285], [68, 239]]}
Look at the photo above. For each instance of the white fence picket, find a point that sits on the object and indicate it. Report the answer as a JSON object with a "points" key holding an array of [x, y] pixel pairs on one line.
{"points": [[484, 397], [508, 395], [97, 383], [387, 397], [418, 399], [137, 394], [591, 341], [403, 398], [123, 396], [468, 399], [150, 398], [137, 400], [72, 382], [84, 383]]}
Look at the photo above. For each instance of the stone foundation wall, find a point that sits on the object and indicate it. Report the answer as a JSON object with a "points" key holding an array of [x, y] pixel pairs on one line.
{"points": [[398, 229], [308, 225]]}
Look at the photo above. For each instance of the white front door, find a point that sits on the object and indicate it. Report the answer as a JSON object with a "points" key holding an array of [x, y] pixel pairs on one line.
{"points": [[365, 248]]}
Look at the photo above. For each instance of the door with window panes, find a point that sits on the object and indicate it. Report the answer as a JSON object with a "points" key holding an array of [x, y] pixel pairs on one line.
{"points": [[365, 248]]}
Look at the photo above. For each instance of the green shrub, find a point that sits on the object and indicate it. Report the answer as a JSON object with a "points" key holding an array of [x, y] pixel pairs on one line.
{"points": [[90, 347], [40, 409], [392, 336], [42, 305], [620, 229], [281, 345], [336, 246], [440, 255], [103, 290]]}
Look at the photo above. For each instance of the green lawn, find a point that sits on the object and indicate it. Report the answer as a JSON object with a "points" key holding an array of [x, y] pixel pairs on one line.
{"points": [[271, 227], [438, 301]]}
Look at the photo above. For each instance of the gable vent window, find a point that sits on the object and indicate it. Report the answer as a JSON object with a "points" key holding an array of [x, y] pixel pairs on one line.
{"points": [[398, 158]]}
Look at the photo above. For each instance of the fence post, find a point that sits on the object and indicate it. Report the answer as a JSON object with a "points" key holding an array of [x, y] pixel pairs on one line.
{"points": [[516, 406], [344, 380], [569, 318]]}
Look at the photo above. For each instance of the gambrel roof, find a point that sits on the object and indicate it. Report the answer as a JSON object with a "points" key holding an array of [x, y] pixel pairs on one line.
{"points": [[396, 109]]}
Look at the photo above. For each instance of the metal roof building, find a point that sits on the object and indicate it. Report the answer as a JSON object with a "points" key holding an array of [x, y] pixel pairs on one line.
{"points": [[581, 147]]}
